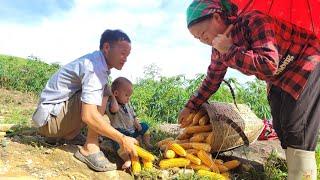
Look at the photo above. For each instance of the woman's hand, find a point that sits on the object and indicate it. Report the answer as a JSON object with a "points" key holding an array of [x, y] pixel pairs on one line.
{"points": [[185, 112], [222, 43]]}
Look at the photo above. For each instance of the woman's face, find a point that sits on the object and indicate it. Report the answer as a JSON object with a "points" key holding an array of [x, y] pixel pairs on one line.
{"points": [[208, 29]]}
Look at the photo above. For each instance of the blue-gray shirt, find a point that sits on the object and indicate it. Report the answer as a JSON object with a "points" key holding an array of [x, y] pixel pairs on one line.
{"points": [[88, 74]]}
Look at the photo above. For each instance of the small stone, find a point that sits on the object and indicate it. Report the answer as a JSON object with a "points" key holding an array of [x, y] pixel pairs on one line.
{"points": [[48, 151]]}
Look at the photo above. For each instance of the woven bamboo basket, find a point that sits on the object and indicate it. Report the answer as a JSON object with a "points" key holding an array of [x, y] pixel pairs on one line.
{"points": [[232, 126]]}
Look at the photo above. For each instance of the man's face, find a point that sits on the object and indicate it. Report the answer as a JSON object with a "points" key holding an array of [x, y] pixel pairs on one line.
{"points": [[208, 29], [117, 53]]}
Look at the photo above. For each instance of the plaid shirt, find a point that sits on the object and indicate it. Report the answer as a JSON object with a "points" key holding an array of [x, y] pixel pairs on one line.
{"points": [[275, 51]]}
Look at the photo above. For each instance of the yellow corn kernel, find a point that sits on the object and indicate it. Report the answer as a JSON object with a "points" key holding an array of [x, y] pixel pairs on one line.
{"points": [[211, 175], [232, 164], [169, 154], [174, 162], [178, 149], [144, 154], [135, 165], [193, 159], [207, 160]]}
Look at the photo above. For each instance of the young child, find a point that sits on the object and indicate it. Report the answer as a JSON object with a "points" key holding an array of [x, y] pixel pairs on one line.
{"points": [[286, 56], [123, 118]]}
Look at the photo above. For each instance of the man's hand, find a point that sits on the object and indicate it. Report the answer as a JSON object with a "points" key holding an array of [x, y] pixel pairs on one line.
{"points": [[128, 145], [184, 115], [222, 43]]}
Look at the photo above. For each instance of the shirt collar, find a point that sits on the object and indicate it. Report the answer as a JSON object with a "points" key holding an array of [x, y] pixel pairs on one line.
{"points": [[104, 61]]}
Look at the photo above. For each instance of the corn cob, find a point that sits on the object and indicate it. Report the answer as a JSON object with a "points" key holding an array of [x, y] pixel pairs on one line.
{"points": [[197, 117], [197, 129], [147, 164], [198, 167], [207, 160], [144, 154], [175, 162], [177, 149], [232, 164], [192, 151], [211, 175], [218, 161], [193, 159], [164, 141], [135, 165], [226, 175], [186, 145], [197, 138], [222, 168], [182, 141], [183, 136], [169, 154], [201, 146], [210, 138], [188, 121], [204, 120]]}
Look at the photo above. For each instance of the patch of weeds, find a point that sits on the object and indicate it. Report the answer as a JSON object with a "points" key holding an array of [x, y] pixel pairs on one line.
{"points": [[19, 116], [149, 174], [193, 176], [252, 174], [275, 167]]}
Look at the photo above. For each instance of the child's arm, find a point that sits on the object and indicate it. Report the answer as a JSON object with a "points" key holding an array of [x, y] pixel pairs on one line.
{"points": [[113, 106], [137, 124]]}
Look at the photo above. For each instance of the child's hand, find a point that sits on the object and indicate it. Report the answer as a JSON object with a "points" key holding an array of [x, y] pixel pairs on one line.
{"points": [[222, 43], [138, 126]]}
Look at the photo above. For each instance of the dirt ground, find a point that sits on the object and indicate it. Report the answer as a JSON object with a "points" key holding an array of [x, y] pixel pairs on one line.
{"points": [[24, 155]]}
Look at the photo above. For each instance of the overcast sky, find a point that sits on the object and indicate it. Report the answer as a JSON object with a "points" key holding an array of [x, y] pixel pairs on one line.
{"points": [[62, 30]]}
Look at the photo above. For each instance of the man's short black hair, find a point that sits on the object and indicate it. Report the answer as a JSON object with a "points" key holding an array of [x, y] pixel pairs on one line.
{"points": [[112, 36]]}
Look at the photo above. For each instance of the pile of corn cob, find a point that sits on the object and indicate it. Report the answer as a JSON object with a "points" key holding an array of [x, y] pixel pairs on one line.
{"points": [[191, 149], [147, 160]]}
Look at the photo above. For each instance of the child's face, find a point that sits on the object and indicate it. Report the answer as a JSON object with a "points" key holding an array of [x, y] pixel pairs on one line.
{"points": [[117, 53], [124, 93], [208, 29]]}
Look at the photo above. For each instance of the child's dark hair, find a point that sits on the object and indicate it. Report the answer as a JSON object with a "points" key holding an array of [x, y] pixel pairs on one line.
{"points": [[116, 84], [112, 36]]}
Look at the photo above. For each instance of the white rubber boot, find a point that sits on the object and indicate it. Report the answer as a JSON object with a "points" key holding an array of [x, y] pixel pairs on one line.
{"points": [[301, 164]]}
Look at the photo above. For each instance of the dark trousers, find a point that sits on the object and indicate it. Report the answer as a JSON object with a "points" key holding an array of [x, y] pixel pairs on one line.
{"points": [[144, 129], [297, 121]]}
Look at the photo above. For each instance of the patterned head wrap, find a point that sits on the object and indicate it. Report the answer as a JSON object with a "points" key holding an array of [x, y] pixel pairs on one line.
{"points": [[201, 9]]}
